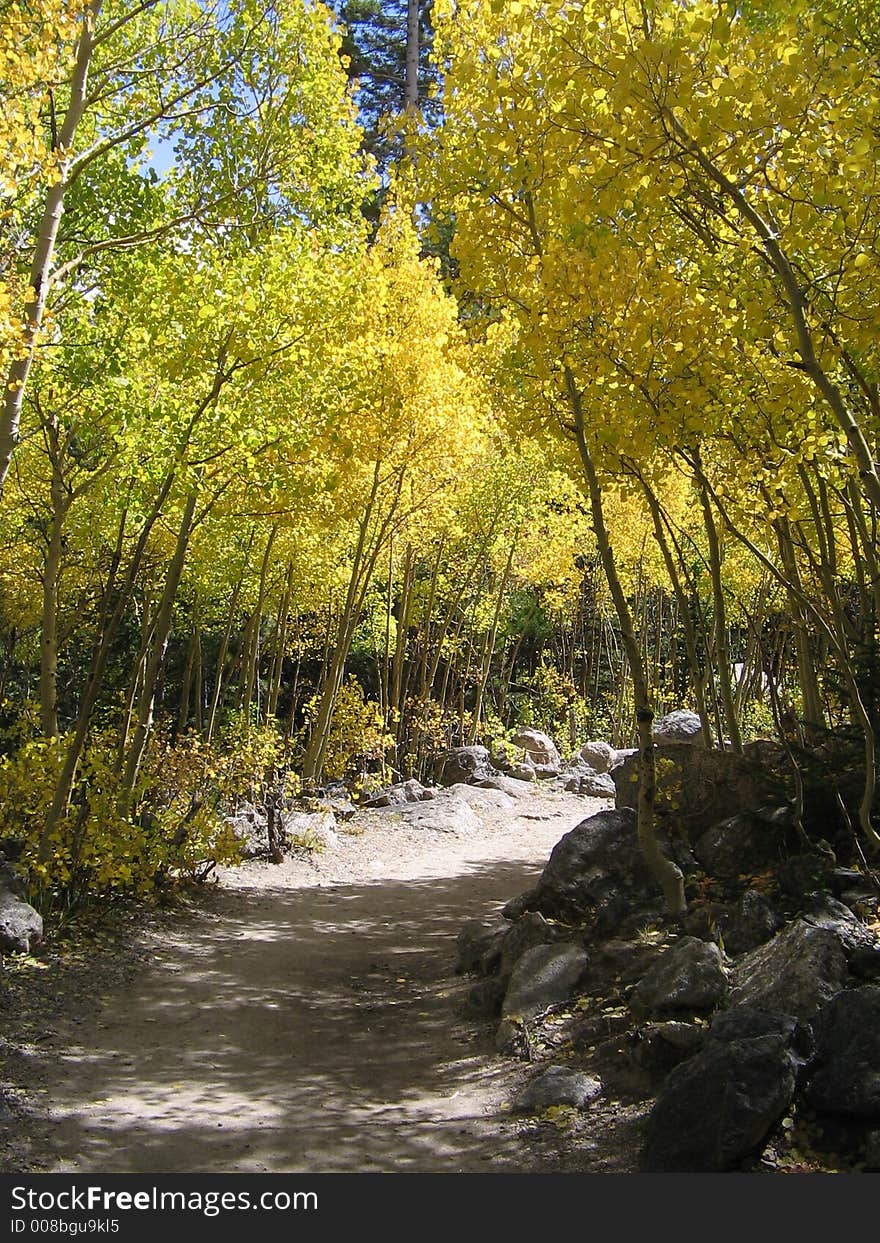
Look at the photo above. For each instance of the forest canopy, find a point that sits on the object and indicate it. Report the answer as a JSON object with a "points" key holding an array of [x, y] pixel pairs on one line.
{"points": [[344, 423]]}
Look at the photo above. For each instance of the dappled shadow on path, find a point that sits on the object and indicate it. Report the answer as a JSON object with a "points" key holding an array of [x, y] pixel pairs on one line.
{"points": [[297, 1030]]}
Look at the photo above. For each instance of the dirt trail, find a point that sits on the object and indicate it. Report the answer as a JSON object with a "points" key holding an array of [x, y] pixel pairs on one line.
{"points": [[304, 1018]]}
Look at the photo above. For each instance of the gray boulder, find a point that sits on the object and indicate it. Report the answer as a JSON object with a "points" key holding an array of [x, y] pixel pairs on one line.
{"points": [[599, 756], [311, 829], [522, 771], [747, 842], [480, 798], [557, 1085], [251, 829], [846, 1079], [749, 1022], [530, 930], [507, 785], [719, 1106], [411, 791], [823, 911], [543, 976], [591, 785], [479, 945], [748, 924], [659, 1047], [689, 976], [804, 872], [679, 726], [540, 749], [698, 787], [595, 870], [440, 815], [21, 927], [465, 764], [795, 973]]}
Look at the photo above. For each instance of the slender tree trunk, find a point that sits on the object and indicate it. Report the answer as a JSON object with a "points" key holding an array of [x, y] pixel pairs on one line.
{"points": [[162, 629], [280, 644], [687, 625], [811, 701], [41, 265], [108, 624], [719, 614], [253, 663], [51, 576], [198, 679], [224, 642], [665, 872], [411, 82], [187, 687], [489, 649], [400, 646]]}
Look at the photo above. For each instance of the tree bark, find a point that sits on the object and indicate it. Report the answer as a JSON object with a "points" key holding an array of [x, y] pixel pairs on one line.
{"points": [[411, 82]]}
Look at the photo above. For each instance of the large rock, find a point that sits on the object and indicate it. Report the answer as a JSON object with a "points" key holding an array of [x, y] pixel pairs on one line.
{"points": [[336, 798], [698, 787], [822, 911], [749, 1022], [679, 726], [719, 1106], [507, 785], [600, 756], [411, 791], [440, 815], [523, 771], [660, 1047], [543, 976], [689, 976], [465, 764], [589, 785], [748, 924], [21, 926], [747, 842], [596, 870], [479, 945], [795, 973], [480, 798], [312, 829], [250, 827], [530, 930], [846, 1080], [540, 748], [557, 1085]]}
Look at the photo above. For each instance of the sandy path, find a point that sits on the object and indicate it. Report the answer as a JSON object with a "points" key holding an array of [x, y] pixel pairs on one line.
{"points": [[304, 1018]]}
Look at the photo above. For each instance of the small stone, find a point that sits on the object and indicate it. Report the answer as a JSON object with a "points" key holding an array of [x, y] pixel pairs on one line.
{"points": [[557, 1085]]}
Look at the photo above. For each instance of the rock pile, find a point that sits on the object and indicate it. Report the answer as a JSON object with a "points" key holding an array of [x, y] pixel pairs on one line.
{"points": [[762, 1005]]}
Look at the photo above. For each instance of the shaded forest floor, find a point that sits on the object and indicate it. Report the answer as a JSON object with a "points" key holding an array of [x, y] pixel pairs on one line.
{"points": [[294, 1018]]}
